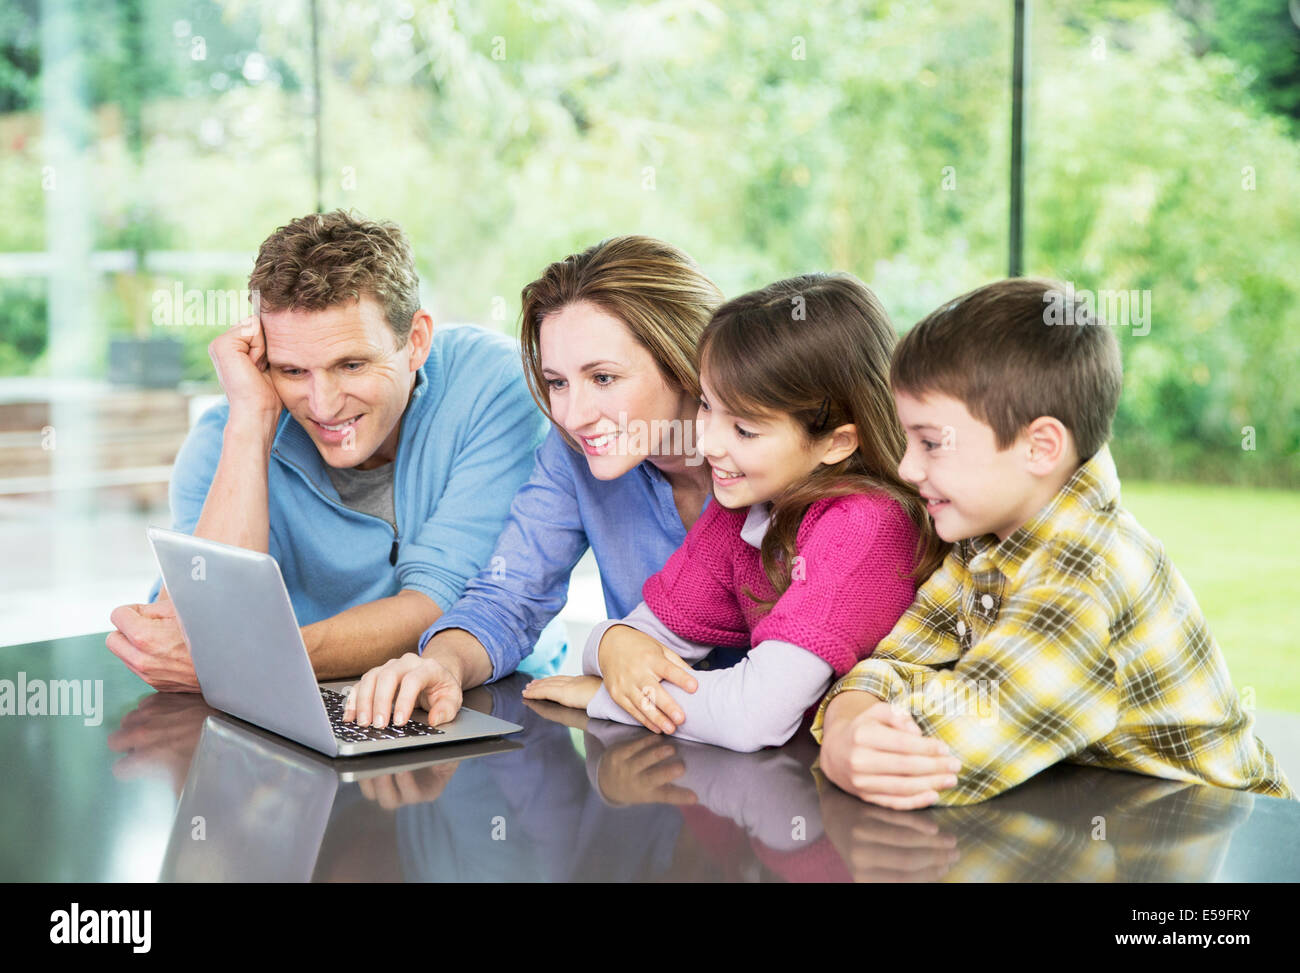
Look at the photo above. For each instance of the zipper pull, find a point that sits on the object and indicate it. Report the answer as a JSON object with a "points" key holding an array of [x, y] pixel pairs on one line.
{"points": [[392, 555]]}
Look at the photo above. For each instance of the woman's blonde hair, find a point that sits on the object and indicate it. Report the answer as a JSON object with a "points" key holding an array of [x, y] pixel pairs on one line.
{"points": [[656, 290]]}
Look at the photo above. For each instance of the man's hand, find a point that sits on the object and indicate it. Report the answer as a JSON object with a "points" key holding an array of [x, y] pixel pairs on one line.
{"points": [[632, 665], [239, 357], [398, 687], [149, 640], [159, 738], [878, 754]]}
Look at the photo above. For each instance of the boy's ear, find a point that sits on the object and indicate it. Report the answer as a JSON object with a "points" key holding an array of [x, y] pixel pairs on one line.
{"points": [[1048, 443], [843, 441]]}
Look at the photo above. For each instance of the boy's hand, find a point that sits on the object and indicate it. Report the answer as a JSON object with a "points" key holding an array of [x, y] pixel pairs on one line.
{"points": [[878, 844], [632, 664], [574, 691], [879, 754], [239, 356]]}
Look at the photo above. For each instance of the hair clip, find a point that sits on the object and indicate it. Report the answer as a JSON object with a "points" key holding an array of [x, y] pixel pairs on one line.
{"points": [[823, 413]]}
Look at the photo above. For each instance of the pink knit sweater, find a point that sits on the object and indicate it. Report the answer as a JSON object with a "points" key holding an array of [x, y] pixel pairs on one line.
{"points": [[850, 580]]}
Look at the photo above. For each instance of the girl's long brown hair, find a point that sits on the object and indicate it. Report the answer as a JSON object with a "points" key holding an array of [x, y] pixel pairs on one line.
{"points": [[817, 348]]}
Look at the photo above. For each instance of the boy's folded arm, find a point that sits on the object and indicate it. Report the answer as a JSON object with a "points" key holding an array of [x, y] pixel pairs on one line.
{"points": [[919, 642], [758, 702], [886, 679], [1038, 687]]}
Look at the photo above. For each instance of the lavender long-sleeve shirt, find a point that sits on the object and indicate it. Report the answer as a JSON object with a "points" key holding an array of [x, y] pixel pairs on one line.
{"points": [[759, 702]]}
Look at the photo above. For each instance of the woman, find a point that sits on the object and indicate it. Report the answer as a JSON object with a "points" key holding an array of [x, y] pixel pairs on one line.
{"points": [[608, 339]]}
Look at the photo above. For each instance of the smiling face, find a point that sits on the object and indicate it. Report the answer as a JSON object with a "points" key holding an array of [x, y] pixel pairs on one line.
{"points": [[607, 391], [341, 375], [754, 458], [971, 487]]}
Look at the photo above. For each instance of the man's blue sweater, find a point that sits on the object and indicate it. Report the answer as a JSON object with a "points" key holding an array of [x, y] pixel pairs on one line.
{"points": [[466, 445]]}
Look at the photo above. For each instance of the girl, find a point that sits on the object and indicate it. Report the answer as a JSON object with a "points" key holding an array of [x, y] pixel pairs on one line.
{"points": [[815, 546]]}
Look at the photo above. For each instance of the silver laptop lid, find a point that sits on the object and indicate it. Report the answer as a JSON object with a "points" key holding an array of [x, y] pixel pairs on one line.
{"points": [[263, 813], [248, 652]]}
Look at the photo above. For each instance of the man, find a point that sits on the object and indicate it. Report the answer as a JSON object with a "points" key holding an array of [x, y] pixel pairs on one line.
{"points": [[372, 457]]}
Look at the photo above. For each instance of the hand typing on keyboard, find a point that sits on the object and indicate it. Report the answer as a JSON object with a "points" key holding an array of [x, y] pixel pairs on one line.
{"points": [[335, 703]]}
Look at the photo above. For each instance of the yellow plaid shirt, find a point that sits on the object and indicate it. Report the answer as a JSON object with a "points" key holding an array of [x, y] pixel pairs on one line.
{"points": [[1074, 639]]}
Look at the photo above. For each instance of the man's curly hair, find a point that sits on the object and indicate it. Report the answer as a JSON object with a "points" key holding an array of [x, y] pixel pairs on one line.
{"points": [[326, 259]]}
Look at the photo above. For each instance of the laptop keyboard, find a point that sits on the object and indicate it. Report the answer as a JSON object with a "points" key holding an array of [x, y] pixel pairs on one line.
{"points": [[351, 733]]}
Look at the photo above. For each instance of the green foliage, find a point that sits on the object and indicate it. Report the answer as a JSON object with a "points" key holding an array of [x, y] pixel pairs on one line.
{"points": [[1263, 38], [19, 60], [23, 335], [1164, 177], [766, 139]]}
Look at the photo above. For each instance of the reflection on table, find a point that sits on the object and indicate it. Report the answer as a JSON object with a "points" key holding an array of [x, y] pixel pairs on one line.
{"points": [[168, 788]]}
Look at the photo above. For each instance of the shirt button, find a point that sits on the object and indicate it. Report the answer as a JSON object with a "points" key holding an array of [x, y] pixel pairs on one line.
{"points": [[987, 602], [961, 628]]}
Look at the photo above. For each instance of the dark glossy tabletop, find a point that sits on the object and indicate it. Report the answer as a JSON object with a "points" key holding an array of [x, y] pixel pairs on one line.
{"points": [[163, 787]]}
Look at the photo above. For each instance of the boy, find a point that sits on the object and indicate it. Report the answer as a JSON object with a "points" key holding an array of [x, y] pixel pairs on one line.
{"points": [[1056, 629]]}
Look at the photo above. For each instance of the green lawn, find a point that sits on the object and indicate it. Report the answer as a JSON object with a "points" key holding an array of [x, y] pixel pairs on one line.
{"points": [[1237, 549]]}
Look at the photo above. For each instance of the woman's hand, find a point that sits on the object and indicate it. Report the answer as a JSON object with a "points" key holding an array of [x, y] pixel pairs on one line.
{"points": [[632, 665], [420, 786], [574, 691], [400, 686]]}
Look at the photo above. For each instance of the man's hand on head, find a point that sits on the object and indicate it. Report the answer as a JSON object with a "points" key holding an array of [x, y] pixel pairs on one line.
{"points": [[239, 356], [149, 640]]}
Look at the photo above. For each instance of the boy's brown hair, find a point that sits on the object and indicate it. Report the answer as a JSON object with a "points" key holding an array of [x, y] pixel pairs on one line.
{"points": [[1013, 351], [326, 259]]}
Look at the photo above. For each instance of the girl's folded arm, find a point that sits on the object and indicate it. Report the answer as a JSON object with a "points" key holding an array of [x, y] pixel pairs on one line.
{"points": [[644, 620], [759, 702]]}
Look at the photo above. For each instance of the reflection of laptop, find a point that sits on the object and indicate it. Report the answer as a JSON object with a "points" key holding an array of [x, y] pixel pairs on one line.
{"points": [[256, 808], [251, 662]]}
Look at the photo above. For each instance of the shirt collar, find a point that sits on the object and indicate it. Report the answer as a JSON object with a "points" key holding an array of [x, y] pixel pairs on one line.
{"points": [[1094, 487], [421, 384], [756, 524]]}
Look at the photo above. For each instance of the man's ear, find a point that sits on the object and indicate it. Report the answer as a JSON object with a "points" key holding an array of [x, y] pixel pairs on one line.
{"points": [[843, 441], [420, 337], [1048, 443]]}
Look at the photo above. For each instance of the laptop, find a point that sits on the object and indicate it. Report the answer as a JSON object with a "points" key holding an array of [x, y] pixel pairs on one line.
{"points": [[265, 805], [251, 662]]}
